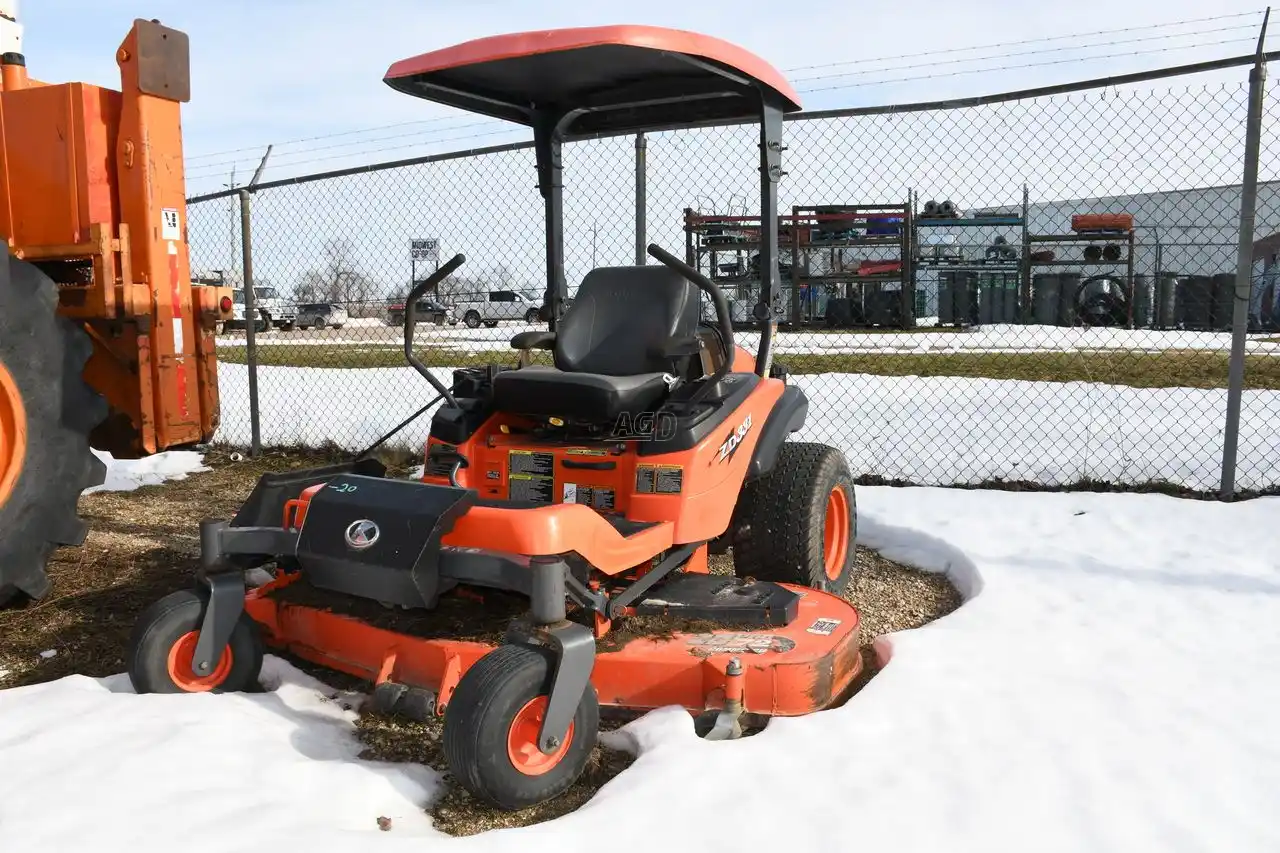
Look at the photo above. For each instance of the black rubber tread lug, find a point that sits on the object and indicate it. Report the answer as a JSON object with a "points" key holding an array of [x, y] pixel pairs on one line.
{"points": [[510, 674], [778, 524], [46, 355], [170, 617]]}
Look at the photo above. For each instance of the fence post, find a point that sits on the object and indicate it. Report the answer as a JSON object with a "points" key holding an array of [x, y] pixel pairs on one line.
{"points": [[642, 147], [250, 320], [1244, 270]]}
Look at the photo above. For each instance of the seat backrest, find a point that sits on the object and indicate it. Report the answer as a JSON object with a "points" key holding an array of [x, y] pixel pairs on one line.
{"points": [[620, 316]]}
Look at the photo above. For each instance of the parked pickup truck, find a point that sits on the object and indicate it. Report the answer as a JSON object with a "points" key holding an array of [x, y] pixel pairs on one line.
{"points": [[275, 310], [498, 306], [272, 310]]}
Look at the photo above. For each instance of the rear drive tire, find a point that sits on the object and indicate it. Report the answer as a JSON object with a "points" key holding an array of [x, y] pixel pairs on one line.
{"points": [[165, 638], [798, 524], [472, 319], [531, 316], [490, 730], [46, 414]]}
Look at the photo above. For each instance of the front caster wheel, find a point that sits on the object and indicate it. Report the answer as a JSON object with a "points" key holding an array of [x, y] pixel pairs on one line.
{"points": [[491, 730], [164, 641]]}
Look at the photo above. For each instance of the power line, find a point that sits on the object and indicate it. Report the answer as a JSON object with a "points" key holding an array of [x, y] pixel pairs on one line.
{"points": [[1035, 52], [326, 136], [203, 167], [1024, 42], [1024, 65], [949, 51], [511, 129]]}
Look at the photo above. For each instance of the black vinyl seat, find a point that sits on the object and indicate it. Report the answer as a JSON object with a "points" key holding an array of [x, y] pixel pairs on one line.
{"points": [[613, 348]]}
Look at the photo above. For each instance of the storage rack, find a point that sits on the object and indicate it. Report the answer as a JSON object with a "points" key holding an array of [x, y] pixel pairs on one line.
{"points": [[713, 237], [819, 231], [1125, 238], [710, 237], [978, 266]]}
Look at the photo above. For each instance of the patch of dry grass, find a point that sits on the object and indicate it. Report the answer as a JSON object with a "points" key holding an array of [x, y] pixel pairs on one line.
{"points": [[1165, 369], [141, 546]]}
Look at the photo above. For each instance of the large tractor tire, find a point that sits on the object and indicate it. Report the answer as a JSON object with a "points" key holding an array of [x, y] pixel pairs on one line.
{"points": [[798, 524], [46, 414]]}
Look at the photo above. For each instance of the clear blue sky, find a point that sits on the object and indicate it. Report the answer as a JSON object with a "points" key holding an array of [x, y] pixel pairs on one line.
{"points": [[277, 70]]}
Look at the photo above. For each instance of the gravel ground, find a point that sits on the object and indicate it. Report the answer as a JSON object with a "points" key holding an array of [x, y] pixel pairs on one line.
{"points": [[143, 545]]}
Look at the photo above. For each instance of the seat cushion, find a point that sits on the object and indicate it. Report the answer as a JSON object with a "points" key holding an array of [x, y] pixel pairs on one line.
{"points": [[621, 318], [594, 397]]}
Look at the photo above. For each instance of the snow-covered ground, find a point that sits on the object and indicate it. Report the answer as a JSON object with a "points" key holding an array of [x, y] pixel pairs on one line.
{"points": [[126, 475], [940, 430], [1109, 685]]}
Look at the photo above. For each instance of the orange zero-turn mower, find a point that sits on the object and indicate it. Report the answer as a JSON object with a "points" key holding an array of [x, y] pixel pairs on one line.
{"points": [[595, 488]]}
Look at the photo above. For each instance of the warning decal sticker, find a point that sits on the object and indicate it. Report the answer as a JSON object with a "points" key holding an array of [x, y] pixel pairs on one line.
{"points": [[659, 479], [596, 497], [824, 627], [668, 479], [704, 645], [530, 476]]}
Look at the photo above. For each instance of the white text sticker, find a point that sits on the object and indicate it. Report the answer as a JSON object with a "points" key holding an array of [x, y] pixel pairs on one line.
{"points": [[170, 227], [823, 626]]}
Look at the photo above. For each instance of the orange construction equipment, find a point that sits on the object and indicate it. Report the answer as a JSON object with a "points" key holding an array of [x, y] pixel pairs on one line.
{"points": [[590, 492], [104, 340]]}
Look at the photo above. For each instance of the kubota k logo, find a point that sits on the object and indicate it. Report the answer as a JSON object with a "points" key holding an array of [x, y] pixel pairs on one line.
{"points": [[362, 534], [731, 443]]}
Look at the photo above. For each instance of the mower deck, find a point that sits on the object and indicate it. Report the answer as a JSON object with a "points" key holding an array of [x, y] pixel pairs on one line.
{"points": [[792, 670]]}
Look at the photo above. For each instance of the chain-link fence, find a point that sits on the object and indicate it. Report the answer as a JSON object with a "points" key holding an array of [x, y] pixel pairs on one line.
{"points": [[1037, 289]]}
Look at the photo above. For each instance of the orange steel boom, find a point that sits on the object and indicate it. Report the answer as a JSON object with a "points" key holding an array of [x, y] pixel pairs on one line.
{"points": [[92, 191]]}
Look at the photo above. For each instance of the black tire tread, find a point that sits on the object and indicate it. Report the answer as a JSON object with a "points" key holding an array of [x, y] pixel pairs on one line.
{"points": [[186, 608], [490, 682], [46, 355], [778, 524]]}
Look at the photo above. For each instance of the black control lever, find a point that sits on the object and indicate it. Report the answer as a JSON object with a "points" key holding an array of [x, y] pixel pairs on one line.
{"points": [[439, 454], [411, 323], [717, 297]]}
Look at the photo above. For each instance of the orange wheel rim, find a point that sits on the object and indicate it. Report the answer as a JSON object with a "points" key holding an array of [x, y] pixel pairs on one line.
{"points": [[522, 740], [13, 433], [180, 671], [835, 533]]}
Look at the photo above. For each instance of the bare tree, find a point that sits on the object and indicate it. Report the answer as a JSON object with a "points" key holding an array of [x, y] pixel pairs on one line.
{"points": [[338, 281]]}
